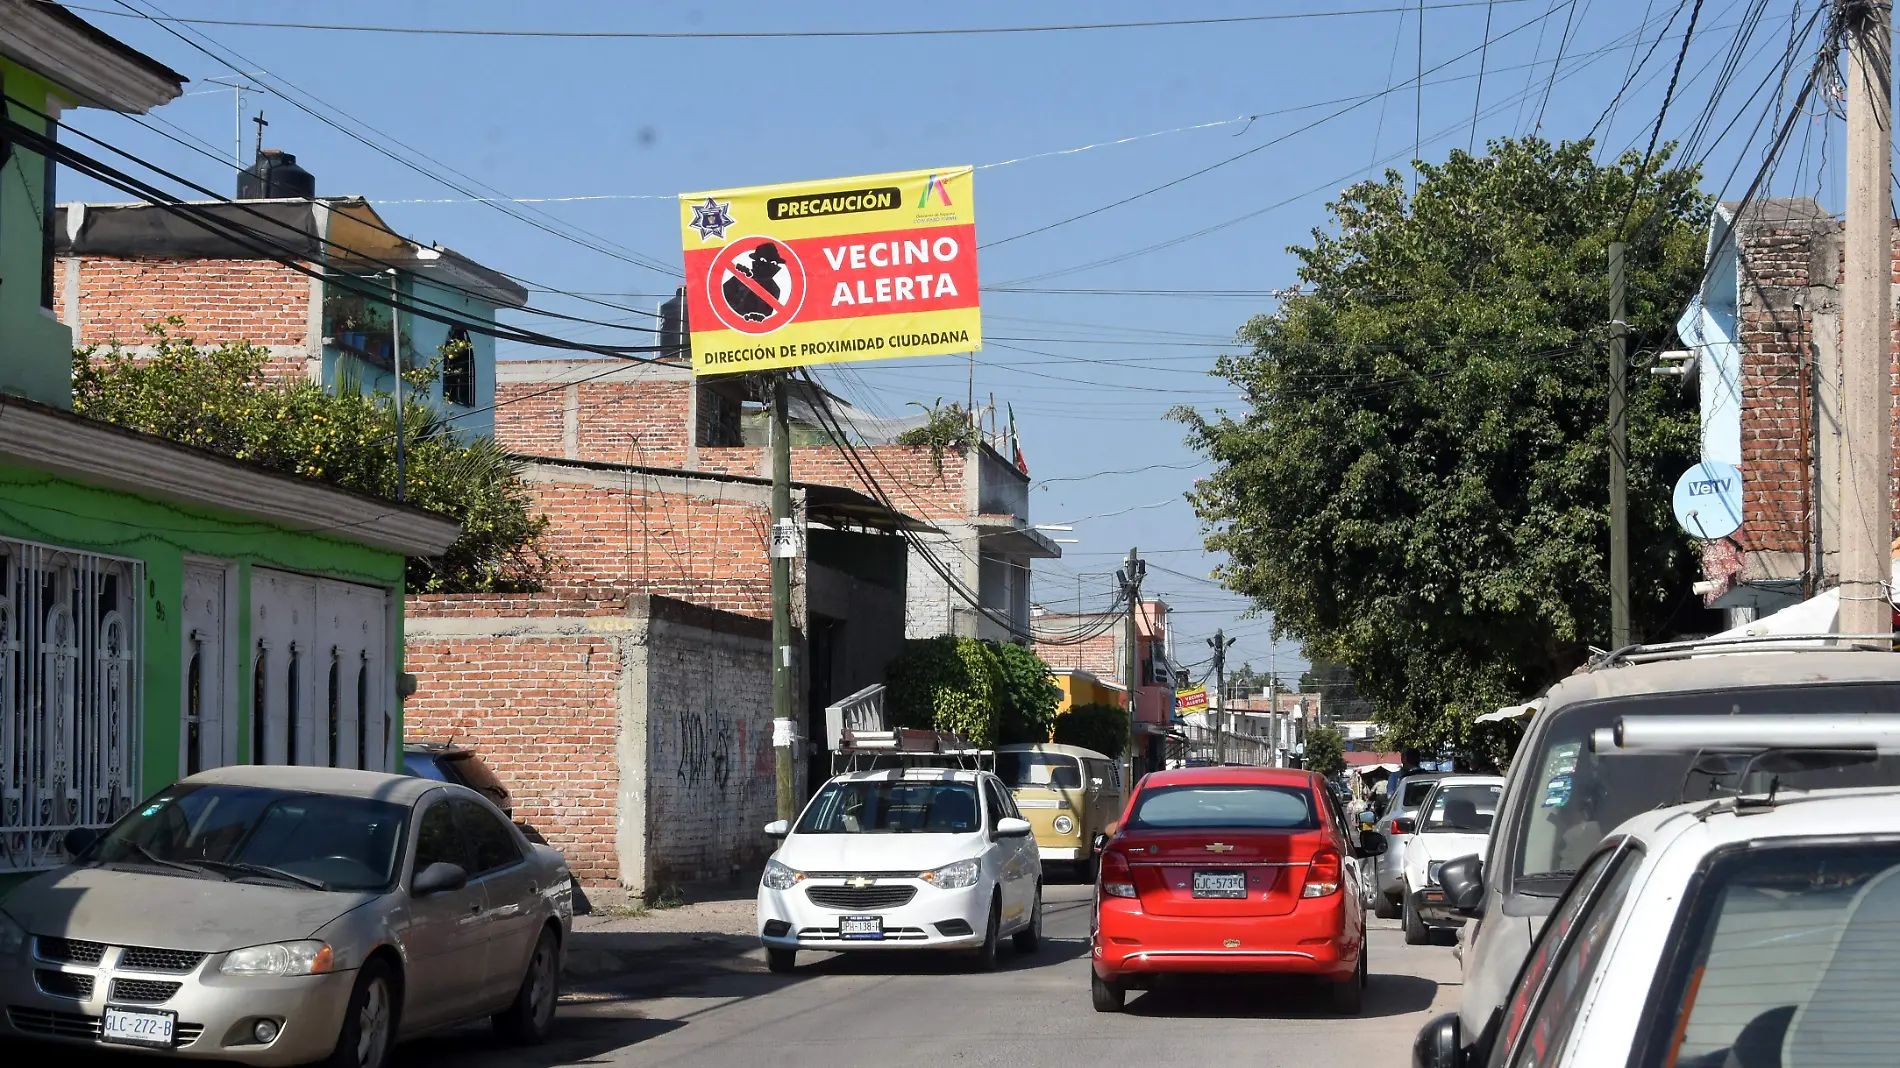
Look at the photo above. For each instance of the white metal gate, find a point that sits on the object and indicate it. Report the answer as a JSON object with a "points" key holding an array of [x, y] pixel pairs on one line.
{"points": [[70, 696], [320, 673], [207, 732]]}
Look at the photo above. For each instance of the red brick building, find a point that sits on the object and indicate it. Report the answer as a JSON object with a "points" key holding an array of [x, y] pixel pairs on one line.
{"points": [[1105, 656]]}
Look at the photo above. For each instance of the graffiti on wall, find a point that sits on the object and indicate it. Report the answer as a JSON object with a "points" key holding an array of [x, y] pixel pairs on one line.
{"points": [[705, 749]]}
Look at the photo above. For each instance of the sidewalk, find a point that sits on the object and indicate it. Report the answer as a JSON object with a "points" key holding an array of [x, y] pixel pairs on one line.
{"points": [[718, 934]]}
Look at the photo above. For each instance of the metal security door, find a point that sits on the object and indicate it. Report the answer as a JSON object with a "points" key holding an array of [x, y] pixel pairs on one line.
{"points": [[355, 684], [207, 731], [321, 683]]}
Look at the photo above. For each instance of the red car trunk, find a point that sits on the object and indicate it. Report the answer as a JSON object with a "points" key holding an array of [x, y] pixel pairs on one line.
{"points": [[1214, 873]]}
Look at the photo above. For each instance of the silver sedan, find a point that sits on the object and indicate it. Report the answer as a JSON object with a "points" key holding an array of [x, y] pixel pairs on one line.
{"points": [[285, 915]]}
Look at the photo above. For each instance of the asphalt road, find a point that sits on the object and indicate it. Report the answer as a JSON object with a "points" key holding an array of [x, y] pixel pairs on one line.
{"points": [[875, 1010]]}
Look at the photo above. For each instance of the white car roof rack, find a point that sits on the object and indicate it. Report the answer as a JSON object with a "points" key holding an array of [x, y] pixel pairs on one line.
{"points": [[1875, 731], [1741, 643], [870, 750]]}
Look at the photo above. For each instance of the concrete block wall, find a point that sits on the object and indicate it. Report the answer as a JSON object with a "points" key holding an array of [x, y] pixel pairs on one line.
{"points": [[106, 300]]}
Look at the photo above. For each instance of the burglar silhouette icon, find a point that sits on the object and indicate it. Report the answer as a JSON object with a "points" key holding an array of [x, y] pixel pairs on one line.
{"points": [[764, 271]]}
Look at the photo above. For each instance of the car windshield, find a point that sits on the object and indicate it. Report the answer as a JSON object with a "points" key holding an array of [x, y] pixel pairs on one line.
{"points": [[1043, 771], [1280, 808], [1462, 809], [1792, 961], [1574, 796], [887, 807], [319, 841]]}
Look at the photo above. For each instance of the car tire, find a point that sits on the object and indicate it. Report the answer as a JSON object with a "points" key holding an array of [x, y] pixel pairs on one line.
{"points": [[1384, 907], [1029, 939], [987, 956], [1089, 869], [1349, 998], [1106, 996], [529, 1019], [368, 1033], [1416, 933], [780, 961]]}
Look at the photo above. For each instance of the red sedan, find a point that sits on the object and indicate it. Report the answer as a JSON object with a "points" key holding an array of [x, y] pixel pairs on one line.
{"points": [[1231, 870]]}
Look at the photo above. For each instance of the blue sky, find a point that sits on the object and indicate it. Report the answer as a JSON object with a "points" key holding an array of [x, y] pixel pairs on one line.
{"points": [[1155, 287]]}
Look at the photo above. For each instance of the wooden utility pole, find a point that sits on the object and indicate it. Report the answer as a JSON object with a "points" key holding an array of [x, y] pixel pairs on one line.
{"points": [[1619, 455], [1130, 578], [1866, 349], [784, 549], [1224, 725]]}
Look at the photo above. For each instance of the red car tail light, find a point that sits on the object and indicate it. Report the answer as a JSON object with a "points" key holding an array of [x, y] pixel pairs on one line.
{"points": [[1117, 878], [1322, 878]]}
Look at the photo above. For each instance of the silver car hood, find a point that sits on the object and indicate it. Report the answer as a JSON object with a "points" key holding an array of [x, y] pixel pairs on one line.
{"points": [[127, 908]]}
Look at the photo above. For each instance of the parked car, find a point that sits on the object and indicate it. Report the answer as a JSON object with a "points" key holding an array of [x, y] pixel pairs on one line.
{"points": [[1741, 933], [1396, 824], [446, 762], [288, 915], [1453, 822], [1231, 870], [1562, 794], [1068, 794], [903, 858]]}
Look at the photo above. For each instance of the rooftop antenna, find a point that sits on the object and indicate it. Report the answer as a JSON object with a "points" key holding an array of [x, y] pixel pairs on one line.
{"points": [[261, 123]]}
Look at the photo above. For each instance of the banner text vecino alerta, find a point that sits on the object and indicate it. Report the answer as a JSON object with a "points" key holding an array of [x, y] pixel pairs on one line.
{"points": [[865, 268]]}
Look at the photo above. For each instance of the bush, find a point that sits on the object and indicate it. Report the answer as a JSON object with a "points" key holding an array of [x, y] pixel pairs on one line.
{"points": [[947, 683], [1325, 751], [1026, 702], [1103, 728]]}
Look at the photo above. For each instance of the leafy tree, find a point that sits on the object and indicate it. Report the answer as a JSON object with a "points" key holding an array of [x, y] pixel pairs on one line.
{"points": [[1028, 695], [1339, 695], [1103, 728], [1325, 751], [1245, 680], [947, 683], [1418, 487], [219, 400]]}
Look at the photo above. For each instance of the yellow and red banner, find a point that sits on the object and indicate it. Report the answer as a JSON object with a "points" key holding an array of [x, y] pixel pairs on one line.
{"points": [[866, 268], [1190, 700]]}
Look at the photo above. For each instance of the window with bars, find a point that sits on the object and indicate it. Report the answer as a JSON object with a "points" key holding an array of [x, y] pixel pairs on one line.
{"points": [[69, 697], [458, 368]]}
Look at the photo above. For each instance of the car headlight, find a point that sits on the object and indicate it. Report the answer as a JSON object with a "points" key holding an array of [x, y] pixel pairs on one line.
{"points": [[281, 958], [954, 876], [780, 877], [12, 936], [1064, 825]]}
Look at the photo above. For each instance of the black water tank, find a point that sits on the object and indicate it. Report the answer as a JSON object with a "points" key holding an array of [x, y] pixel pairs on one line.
{"points": [[275, 175]]}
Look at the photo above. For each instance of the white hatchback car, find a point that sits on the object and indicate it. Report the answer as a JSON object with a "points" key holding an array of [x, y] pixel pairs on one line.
{"points": [[1738, 933], [906, 858], [1453, 822]]}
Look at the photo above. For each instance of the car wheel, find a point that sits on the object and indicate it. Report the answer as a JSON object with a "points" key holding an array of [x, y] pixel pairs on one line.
{"points": [[781, 961], [1349, 997], [1416, 933], [1106, 996], [369, 1025], [1089, 869], [530, 1019], [1029, 939], [1383, 906], [986, 957]]}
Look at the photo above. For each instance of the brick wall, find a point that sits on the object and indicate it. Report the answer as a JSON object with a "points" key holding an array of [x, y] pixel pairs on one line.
{"points": [[529, 418], [255, 301], [1774, 336], [917, 484], [643, 423]]}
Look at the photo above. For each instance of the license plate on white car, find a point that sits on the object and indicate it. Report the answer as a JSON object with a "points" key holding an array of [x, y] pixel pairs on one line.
{"points": [[866, 927], [138, 1027], [1230, 884]]}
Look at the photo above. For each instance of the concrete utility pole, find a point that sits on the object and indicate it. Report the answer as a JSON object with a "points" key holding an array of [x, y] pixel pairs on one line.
{"points": [[783, 550], [1619, 456], [395, 361], [1224, 726], [1273, 709], [1130, 578], [1866, 349]]}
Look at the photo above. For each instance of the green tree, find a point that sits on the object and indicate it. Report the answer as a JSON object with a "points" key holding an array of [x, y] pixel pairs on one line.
{"points": [[1418, 487], [1028, 695], [947, 683], [1325, 751], [219, 401], [1103, 728], [1339, 696]]}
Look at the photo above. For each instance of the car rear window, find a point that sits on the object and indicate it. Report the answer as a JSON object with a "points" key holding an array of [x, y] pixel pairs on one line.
{"points": [[470, 771], [1414, 793], [1039, 770], [1288, 808]]}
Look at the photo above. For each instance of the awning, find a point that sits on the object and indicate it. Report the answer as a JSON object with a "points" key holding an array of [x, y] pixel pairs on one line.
{"points": [[1528, 708]]}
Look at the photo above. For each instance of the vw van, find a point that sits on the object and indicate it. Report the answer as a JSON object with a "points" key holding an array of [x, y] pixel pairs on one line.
{"points": [[1068, 794]]}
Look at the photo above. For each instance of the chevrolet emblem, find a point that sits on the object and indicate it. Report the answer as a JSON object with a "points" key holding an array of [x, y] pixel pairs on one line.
{"points": [[860, 882], [1219, 847], [1232, 943]]}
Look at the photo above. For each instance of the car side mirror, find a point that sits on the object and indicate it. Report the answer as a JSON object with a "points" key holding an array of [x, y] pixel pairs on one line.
{"points": [[1440, 1043], [1463, 883], [1371, 843], [778, 828], [1404, 825], [1011, 827], [439, 878], [1099, 843], [78, 840]]}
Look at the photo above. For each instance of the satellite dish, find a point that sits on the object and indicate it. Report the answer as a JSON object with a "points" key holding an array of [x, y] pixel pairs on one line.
{"points": [[1708, 500]]}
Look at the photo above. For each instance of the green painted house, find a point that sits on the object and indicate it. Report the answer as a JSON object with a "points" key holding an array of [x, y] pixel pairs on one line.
{"points": [[162, 609]]}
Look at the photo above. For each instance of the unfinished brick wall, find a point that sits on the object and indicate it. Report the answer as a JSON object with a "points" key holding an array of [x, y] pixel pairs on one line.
{"points": [[598, 415], [911, 475], [529, 418], [259, 302]]}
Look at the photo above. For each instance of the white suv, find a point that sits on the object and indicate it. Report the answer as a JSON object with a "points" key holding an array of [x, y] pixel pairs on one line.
{"points": [[906, 858]]}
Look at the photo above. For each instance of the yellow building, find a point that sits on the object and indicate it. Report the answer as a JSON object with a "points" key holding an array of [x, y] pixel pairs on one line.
{"points": [[1081, 687]]}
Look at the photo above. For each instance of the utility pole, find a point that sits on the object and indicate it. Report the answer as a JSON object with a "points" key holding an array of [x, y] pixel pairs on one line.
{"points": [[1224, 728], [1619, 455], [1866, 501], [1273, 707], [395, 361], [784, 549], [1130, 578]]}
